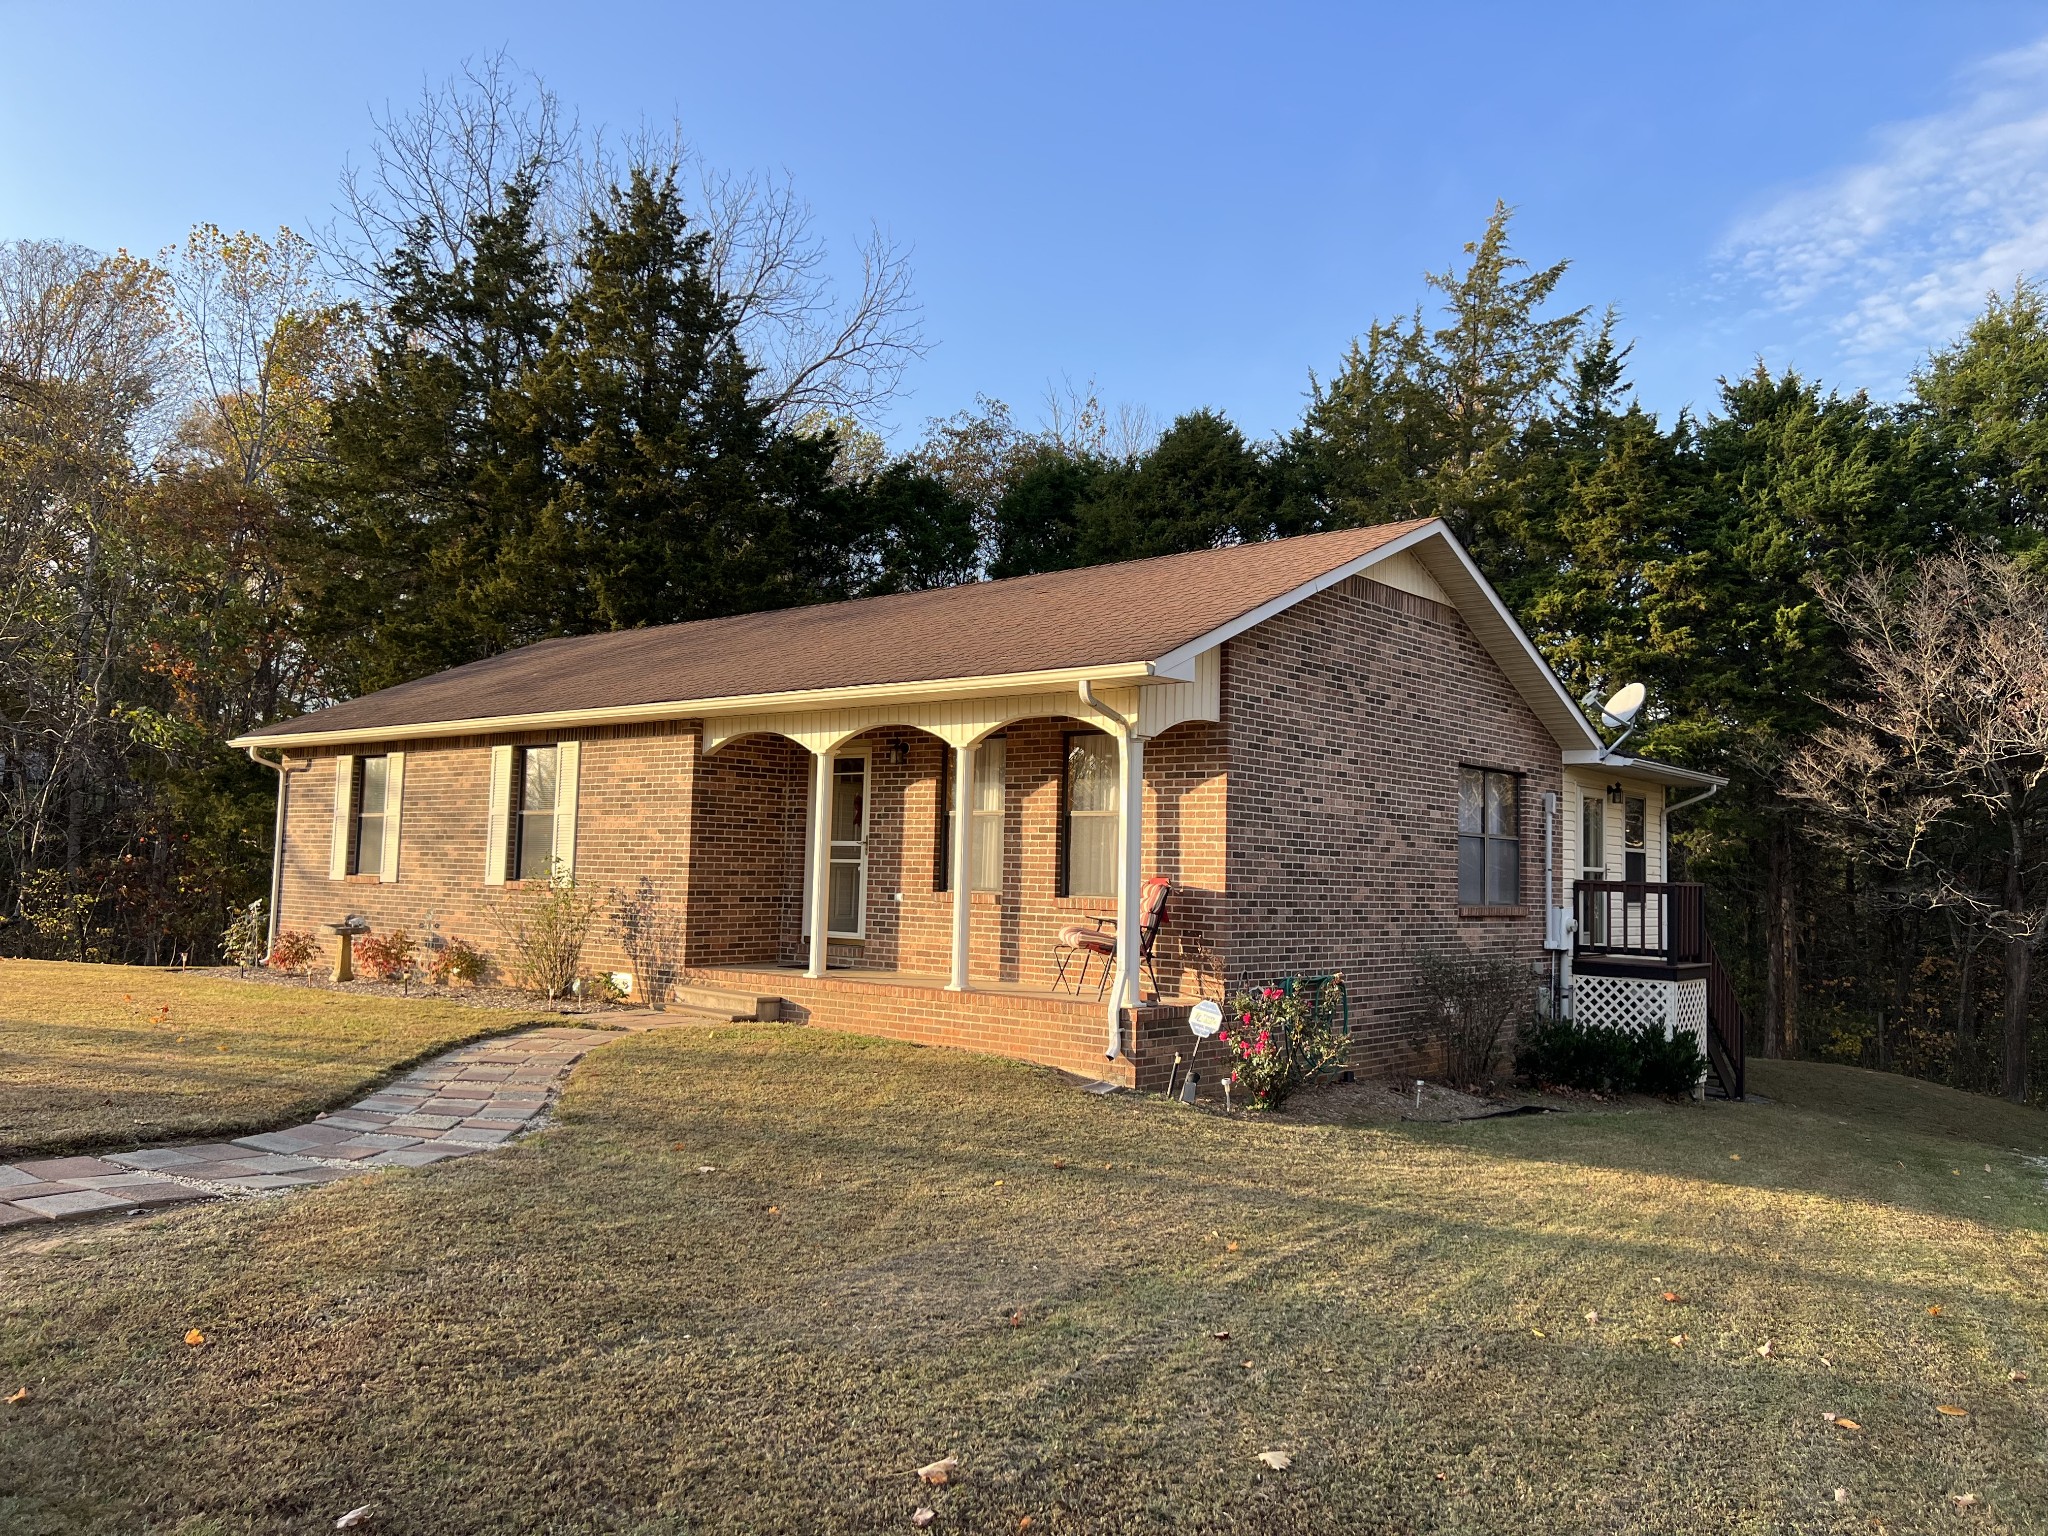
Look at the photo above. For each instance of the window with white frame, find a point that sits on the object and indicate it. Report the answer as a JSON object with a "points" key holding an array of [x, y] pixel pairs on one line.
{"points": [[1489, 838], [366, 836], [534, 797], [991, 761], [1089, 836]]}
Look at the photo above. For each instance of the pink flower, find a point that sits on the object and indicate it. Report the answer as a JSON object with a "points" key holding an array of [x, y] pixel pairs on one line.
{"points": [[1272, 994]]}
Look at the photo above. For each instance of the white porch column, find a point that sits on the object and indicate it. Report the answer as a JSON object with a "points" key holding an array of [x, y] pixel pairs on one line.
{"points": [[1130, 849], [962, 873], [820, 856]]}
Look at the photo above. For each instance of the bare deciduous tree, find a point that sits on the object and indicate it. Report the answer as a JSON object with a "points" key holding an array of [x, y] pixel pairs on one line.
{"points": [[1938, 770], [445, 160]]}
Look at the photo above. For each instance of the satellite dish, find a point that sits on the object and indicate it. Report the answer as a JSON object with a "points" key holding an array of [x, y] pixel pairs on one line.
{"points": [[1205, 1018], [1623, 708]]}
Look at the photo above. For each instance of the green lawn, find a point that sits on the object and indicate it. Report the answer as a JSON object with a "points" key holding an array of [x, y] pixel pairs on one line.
{"points": [[100, 1057], [907, 1254]]}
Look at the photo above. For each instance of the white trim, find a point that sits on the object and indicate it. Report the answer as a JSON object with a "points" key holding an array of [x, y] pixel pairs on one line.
{"points": [[961, 858], [568, 764], [1644, 768], [394, 806], [344, 819], [686, 709], [867, 786], [498, 817], [818, 864]]}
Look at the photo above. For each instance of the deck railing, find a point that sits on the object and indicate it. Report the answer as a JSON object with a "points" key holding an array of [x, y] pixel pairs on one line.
{"points": [[1664, 923]]}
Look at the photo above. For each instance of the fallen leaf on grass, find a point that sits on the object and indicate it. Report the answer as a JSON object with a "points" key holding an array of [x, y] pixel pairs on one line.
{"points": [[354, 1517], [2018, 1376], [1950, 1410], [1841, 1423], [939, 1471], [1016, 1319], [1279, 1461], [1247, 1365], [1934, 1311], [1058, 1162], [923, 1516], [1592, 1316], [706, 1168], [1678, 1340], [1230, 1247], [1964, 1500], [1673, 1296], [1734, 1157], [1841, 1495], [194, 1337], [1539, 1333], [20, 1396], [774, 1210], [1220, 1333], [1023, 1522], [1764, 1349]]}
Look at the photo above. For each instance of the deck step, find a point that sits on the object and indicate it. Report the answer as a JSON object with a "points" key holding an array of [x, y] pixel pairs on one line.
{"points": [[726, 1002]]}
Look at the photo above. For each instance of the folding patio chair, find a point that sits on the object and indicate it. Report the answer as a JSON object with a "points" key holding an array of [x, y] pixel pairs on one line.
{"points": [[1099, 940]]}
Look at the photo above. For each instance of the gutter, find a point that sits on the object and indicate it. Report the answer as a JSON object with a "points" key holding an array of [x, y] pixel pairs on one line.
{"points": [[1129, 672]]}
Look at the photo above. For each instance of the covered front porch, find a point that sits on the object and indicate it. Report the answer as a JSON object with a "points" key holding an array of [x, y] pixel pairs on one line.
{"points": [[910, 868]]}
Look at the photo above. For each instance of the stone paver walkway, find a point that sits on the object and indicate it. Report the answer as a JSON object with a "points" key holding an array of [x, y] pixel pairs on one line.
{"points": [[470, 1099]]}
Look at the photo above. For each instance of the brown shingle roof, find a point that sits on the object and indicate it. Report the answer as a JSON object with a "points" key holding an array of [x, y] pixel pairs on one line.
{"points": [[1136, 611]]}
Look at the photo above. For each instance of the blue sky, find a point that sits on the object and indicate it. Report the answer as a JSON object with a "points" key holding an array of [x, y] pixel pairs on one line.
{"points": [[1192, 205]]}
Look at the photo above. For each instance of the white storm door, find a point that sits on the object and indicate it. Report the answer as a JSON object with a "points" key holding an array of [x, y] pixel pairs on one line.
{"points": [[846, 903]]}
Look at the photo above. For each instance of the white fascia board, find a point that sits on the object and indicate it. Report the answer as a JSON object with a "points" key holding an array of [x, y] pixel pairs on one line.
{"points": [[1125, 673], [1646, 768], [1180, 662]]}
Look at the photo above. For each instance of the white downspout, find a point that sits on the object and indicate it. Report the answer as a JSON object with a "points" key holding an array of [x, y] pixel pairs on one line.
{"points": [[1130, 862], [284, 790]]}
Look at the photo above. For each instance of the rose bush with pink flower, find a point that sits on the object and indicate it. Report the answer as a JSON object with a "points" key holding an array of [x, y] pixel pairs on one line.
{"points": [[1280, 1037]]}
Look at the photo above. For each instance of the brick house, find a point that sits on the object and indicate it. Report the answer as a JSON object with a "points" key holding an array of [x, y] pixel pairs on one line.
{"points": [[882, 814]]}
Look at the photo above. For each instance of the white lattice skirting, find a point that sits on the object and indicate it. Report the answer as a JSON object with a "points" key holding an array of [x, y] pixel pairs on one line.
{"points": [[1630, 1002]]}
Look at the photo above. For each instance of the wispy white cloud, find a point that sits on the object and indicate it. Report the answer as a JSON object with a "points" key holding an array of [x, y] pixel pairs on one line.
{"points": [[1893, 256]]}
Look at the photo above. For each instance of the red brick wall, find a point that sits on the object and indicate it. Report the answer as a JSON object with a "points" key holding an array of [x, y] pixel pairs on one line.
{"points": [[1347, 719], [1057, 1032]]}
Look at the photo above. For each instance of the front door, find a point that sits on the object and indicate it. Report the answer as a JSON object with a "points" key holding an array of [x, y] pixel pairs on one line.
{"points": [[847, 894], [1593, 866]]}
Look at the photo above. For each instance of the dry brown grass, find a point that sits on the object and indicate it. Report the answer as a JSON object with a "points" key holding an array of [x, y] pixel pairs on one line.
{"points": [[97, 1057], [908, 1254]]}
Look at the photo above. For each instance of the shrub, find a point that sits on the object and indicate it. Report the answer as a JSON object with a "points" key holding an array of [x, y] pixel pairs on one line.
{"points": [[292, 952], [1471, 1007], [600, 987], [652, 937], [1601, 1059], [545, 923], [457, 960], [1283, 1036], [389, 958], [245, 936]]}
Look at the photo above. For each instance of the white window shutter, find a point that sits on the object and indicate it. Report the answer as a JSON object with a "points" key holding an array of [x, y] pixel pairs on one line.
{"points": [[568, 760], [344, 808], [394, 808], [498, 837]]}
